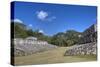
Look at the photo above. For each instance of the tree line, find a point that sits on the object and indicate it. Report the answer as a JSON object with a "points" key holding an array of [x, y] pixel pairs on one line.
{"points": [[68, 38]]}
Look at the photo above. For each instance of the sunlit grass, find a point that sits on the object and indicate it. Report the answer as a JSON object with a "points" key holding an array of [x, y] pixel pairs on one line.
{"points": [[52, 56]]}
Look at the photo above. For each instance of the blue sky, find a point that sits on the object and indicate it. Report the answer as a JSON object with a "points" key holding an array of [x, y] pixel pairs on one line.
{"points": [[53, 18]]}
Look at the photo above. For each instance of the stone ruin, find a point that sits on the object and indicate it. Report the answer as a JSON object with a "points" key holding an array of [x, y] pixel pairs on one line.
{"points": [[88, 43], [30, 46], [83, 49]]}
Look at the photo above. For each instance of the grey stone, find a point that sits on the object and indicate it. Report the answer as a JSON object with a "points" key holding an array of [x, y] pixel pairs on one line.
{"points": [[83, 49]]}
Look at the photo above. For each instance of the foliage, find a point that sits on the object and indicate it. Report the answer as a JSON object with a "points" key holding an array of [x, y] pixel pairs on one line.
{"points": [[18, 30], [68, 38]]}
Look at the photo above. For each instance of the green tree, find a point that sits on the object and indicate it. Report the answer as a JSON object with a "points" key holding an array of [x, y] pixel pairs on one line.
{"points": [[30, 32], [68, 38], [19, 30]]}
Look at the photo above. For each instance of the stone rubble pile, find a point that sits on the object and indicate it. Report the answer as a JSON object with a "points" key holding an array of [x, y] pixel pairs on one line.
{"points": [[83, 49]]}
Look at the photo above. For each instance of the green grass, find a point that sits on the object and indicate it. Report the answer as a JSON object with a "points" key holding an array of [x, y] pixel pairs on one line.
{"points": [[52, 56]]}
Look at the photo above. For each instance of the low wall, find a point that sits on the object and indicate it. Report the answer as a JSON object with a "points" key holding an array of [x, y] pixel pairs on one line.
{"points": [[83, 49]]}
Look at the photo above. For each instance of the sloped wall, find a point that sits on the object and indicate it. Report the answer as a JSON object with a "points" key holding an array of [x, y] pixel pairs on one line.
{"points": [[23, 48], [83, 49]]}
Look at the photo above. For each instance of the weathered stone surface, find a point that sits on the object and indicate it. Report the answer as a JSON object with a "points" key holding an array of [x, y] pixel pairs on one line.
{"points": [[89, 35], [87, 44], [82, 49], [23, 47]]}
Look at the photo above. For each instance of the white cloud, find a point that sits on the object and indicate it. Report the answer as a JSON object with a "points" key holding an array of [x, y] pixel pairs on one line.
{"points": [[51, 18], [41, 31], [42, 15], [30, 25], [17, 20]]}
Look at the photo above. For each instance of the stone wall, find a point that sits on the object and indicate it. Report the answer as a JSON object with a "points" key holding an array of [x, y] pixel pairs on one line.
{"points": [[87, 44], [22, 48], [90, 34], [83, 49]]}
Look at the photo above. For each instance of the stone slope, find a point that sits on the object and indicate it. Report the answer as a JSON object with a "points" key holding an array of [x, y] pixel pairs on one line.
{"points": [[27, 49], [83, 49]]}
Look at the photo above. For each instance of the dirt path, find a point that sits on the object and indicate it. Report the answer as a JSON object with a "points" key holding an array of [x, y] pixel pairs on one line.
{"points": [[51, 56]]}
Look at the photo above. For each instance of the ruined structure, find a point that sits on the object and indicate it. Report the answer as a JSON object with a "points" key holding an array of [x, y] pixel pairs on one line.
{"points": [[88, 43], [90, 34], [30, 45], [83, 49]]}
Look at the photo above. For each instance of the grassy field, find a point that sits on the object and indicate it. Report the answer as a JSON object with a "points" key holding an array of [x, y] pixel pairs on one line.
{"points": [[51, 56]]}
